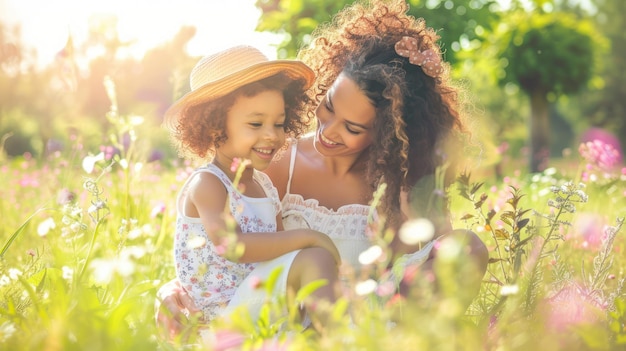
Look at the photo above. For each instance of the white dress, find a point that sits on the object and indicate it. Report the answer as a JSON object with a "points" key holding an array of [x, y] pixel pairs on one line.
{"points": [[347, 226], [210, 279]]}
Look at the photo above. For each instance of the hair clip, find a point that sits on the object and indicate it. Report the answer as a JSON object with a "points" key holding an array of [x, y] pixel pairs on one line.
{"points": [[427, 59]]}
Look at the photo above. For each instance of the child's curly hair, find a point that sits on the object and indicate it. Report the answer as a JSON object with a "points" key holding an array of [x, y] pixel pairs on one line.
{"points": [[201, 128], [415, 113]]}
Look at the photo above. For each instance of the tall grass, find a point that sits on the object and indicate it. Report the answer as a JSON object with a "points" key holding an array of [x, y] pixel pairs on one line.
{"points": [[86, 242]]}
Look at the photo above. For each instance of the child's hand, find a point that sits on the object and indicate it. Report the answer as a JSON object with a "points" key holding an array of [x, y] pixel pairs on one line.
{"points": [[171, 304]]}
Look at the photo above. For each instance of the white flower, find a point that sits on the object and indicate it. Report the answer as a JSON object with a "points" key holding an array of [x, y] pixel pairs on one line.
{"points": [[7, 329], [103, 269], [89, 162], [44, 227], [507, 290], [370, 255], [4, 280], [14, 273], [68, 273], [365, 287], [416, 231], [196, 242]]}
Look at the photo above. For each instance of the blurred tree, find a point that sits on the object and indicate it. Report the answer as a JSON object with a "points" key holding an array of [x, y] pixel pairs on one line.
{"points": [[546, 54], [609, 111], [458, 22]]}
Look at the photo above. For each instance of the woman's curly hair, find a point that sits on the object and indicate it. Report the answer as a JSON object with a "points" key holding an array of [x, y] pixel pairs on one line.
{"points": [[415, 113], [201, 129]]}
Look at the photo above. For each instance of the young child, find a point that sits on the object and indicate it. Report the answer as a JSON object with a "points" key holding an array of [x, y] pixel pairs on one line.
{"points": [[240, 107]]}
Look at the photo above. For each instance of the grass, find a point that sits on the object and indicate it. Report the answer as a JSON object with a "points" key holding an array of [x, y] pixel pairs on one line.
{"points": [[87, 241]]}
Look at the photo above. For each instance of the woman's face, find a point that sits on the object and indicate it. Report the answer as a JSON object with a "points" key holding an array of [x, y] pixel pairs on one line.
{"points": [[345, 120]]}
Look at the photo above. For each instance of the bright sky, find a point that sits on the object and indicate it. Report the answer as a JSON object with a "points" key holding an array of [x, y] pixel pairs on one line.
{"points": [[45, 24]]}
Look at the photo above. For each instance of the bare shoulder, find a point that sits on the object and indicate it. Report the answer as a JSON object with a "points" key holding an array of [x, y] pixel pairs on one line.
{"points": [[207, 192]]}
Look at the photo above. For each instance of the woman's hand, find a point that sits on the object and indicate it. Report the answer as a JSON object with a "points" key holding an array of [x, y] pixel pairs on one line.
{"points": [[172, 308]]}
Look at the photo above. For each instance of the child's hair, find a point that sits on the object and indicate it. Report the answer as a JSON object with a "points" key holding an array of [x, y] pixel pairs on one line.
{"points": [[201, 129], [415, 111]]}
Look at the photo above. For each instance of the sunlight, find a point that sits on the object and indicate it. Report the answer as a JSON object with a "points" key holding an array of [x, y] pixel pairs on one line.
{"points": [[45, 26]]}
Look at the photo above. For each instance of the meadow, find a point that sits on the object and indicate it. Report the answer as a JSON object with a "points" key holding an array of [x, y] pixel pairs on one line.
{"points": [[86, 241]]}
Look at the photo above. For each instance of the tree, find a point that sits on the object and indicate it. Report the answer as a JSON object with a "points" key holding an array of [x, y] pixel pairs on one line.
{"points": [[546, 55], [610, 109], [458, 22]]}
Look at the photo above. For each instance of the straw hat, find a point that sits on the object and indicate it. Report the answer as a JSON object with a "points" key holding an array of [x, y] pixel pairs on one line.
{"points": [[219, 74]]}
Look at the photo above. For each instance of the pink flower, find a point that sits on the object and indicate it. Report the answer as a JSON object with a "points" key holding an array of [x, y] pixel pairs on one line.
{"points": [[223, 340], [256, 282], [158, 210], [572, 306], [601, 155], [590, 227]]}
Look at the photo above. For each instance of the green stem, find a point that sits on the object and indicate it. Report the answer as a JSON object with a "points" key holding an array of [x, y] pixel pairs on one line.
{"points": [[91, 246], [18, 231]]}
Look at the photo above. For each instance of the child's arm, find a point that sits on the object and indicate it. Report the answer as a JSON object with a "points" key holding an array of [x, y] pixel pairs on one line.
{"points": [[208, 195]]}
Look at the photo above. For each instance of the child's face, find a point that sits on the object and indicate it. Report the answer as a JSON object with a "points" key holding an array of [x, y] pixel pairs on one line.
{"points": [[255, 129]]}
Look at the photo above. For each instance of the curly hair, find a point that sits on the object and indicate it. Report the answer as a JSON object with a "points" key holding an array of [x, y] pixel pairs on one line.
{"points": [[415, 113], [201, 129]]}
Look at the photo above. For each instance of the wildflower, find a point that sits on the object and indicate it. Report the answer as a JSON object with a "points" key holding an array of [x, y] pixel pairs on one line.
{"points": [[31, 252], [68, 273], [4, 280], [7, 329], [89, 162], [572, 306], [14, 273], [109, 152], [96, 206], [54, 145], [196, 242], [417, 230], [370, 255], [590, 228], [239, 162], [507, 290], [256, 282], [158, 210], [156, 155], [104, 269], [65, 196], [386, 289], [44, 227], [365, 287], [222, 339], [600, 154]]}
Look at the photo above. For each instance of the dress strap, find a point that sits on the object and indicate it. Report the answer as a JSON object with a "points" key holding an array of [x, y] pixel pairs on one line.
{"points": [[292, 162]]}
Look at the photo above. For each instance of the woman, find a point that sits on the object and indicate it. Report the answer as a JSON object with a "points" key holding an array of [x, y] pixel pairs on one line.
{"points": [[386, 113]]}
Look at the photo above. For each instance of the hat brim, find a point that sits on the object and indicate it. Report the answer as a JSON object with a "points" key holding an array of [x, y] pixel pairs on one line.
{"points": [[219, 88]]}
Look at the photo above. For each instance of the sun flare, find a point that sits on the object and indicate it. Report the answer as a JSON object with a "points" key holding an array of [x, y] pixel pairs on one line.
{"points": [[46, 25]]}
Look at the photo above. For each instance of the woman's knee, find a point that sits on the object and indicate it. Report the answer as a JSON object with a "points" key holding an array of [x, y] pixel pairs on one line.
{"points": [[475, 248], [315, 259]]}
